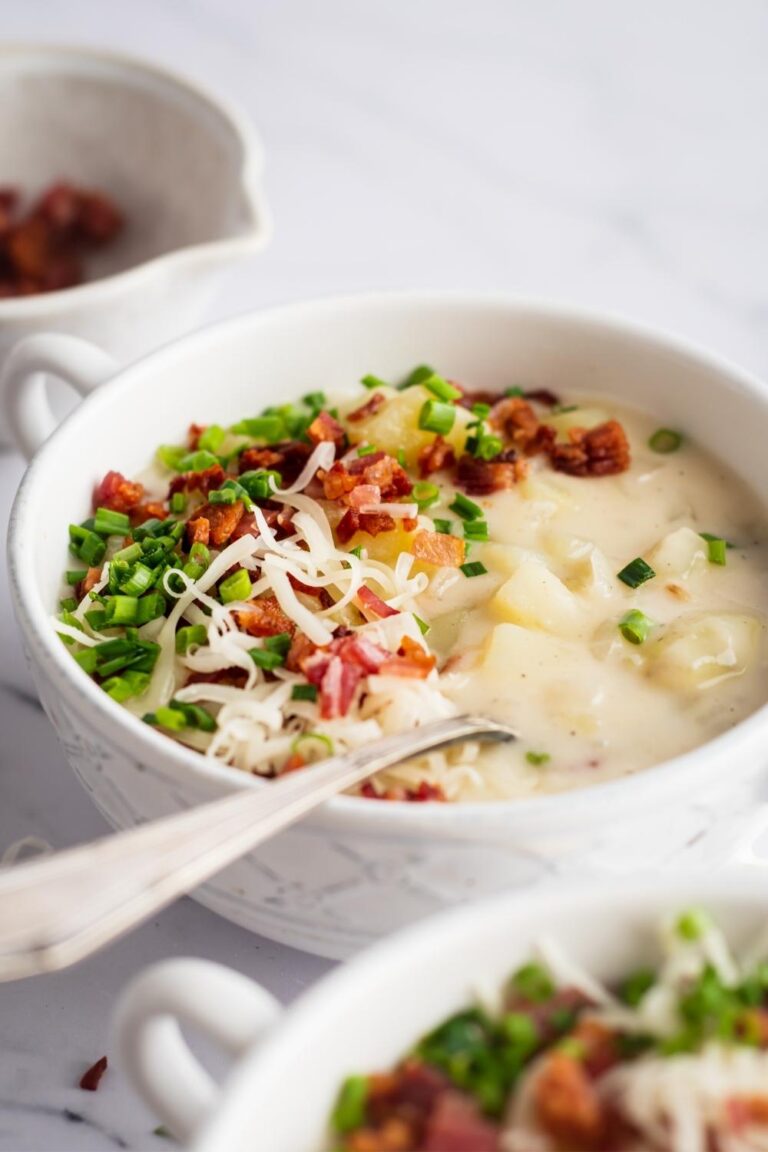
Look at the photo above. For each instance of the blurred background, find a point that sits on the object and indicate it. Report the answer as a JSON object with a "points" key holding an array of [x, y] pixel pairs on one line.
{"points": [[604, 153]]}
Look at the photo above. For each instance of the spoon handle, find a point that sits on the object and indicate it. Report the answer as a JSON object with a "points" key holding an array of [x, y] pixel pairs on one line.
{"points": [[56, 911]]}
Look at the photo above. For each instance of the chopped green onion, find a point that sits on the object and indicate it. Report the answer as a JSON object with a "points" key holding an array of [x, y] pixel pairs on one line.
{"points": [[86, 545], [716, 548], [151, 607], [195, 716], [466, 508], [150, 529], [261, 484], [279, 643], [366, 449], [514, 391], [484, 446], [75, 576], [422, 624], [109, 523], [169, 718], [97, 618], [441, 388], [400, 457], [537, 758], [315, 400], [68, 604], [373, 382], [178, 503], [417, 376], [692, 925], [481, 410], [349, 1112], [636, 985], [189, 635], [211, 438], [122, 688], [268, 428], [444, 526], [435, 416], [88, 660], [200, 554], [533, 982], [636, 573], [140, 580], [121, 610], [170, 455], [562, 409], [127, 555], [473, 568], [475, 530], [198, 461], [665, 440], [304, 692], [635, 626], [316, 737], [425, 494], [356, 551], [235, 587], [222, 496]]}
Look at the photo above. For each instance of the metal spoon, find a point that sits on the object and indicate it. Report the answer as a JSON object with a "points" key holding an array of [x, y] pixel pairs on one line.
{"points": [[56, 911]]}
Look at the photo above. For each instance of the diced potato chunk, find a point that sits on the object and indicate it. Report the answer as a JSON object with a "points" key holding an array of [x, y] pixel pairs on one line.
{"points": [[387, 546], [396, 425], [703, 649], [679, 554], [534, 597]]}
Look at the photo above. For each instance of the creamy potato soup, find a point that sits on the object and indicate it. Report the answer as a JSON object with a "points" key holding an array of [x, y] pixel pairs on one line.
{"points": [[327, 572]]}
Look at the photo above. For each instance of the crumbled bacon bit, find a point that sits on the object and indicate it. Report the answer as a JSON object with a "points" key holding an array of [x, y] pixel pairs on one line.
{"points": [[456, 1124], [438, 548], [370, 408], [89, 581], [264, 617], [325, 428], [153, 510], [543, 396], [370, 522], [566, 1103], [293, 763], [435, 456], [516, 419], [232, 677], [411, 661], [204, 481], [288, 457], [385, 472], [198, 531], [194, 432], [91, 1079], [425, 792], [481, 477], [117, 493], [363, 494], [600, 451], [373, 604], [300, 651], [222, 518]]}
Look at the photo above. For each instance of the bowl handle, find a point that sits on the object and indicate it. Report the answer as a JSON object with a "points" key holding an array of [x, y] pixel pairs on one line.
{"points": [[24, 399], [226, 1006]]}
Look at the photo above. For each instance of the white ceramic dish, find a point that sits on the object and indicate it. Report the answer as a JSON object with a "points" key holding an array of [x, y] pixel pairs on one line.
{"points": [[357, 868], [363, 1017], [185, 168]]}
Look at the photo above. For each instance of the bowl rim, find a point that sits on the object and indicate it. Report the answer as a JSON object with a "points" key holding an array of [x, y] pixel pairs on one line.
{"points": [[442, 934], [634, 793], [256, 232]]}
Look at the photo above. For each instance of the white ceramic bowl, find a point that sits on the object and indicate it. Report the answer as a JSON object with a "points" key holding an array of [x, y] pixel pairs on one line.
{"points": [[184, 167], [366, 1015], [357, 869]]}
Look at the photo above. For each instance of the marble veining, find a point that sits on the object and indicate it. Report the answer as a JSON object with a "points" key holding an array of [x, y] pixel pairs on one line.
{"points": [[608, 156]]}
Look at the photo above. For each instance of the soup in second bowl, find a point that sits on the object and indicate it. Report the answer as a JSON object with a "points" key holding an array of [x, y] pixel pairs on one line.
{"points": [[326, 572]]}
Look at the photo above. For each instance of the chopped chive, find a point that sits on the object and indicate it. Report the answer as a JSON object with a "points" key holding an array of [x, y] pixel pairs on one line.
{"points": [[533, 982], [716, 548], [475, 530], [349, 1112], [444, 526], [563, 409], [86, 545], [481, 411], [635, 626], [235, 587], [514, 391], [422, 624], [151, 607], [366, 449], [88, 660], [178, 502], [317, 737], [130, 684], [636, 573], [537, 758], [222, 496], [370, 381], [279, 643], [261, 484], [127, 555], [150, 529], [484, 446], [665, 440], [473, 568], [417, 376], [265, 659], [195, 716], [97, 618], [211, 438], [121, 610], [466, 508], [68, 604], [189, 635], [304, 692], [425, 494], [435, 416], [140, 580], [315, 400], [198, 461], [75, 576], [268, 428], [692, 925], [356, 551], [168, 718], [441, 388], [634, 988], [171, 455]]}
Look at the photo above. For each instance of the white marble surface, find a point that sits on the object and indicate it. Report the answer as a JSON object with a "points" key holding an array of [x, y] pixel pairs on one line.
{"points": [[604, 152]]}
